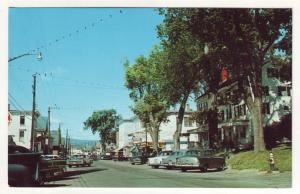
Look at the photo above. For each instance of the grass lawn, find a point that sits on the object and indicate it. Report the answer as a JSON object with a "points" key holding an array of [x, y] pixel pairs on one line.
{"points": [[260, 160]]}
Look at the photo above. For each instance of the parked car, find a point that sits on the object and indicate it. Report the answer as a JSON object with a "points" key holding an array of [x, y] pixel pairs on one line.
{"points": [[107, 156], [79, 160], [200, 159], [119, 156], [155, 162], [170, 161], [23, 167], [52, 165], [138, 158]]}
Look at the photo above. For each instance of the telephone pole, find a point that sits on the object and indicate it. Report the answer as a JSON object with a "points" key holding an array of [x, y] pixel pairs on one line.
{"points": [[49, 133], [32, 140]]}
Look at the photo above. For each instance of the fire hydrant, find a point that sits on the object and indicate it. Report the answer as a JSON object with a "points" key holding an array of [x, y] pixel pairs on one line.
{"points": [[271, 161]]}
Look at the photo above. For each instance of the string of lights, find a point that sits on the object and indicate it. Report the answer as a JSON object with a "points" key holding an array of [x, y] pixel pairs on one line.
{"points": [[72, 34]]}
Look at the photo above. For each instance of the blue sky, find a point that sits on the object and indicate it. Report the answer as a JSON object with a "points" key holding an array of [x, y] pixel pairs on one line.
{"points": [[80, 71]]}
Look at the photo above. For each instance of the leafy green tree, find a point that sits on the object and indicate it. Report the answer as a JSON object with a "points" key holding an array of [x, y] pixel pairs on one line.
{"points": [[243, 40], [143, 84], [182, 67], [104, 122]]}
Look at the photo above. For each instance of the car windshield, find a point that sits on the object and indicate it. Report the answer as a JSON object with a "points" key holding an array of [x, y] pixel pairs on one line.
{"points": [[165, 154], [192, 153]]}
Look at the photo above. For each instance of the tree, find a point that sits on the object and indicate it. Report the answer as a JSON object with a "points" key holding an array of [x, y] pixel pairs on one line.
{"points": [[104, 122], [243, 40], [143, 83], [181, 70]]}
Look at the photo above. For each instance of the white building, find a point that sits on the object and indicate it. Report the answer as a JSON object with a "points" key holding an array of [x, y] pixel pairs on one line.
{"points": [[277, 95], [20, 127], [131, 131]]}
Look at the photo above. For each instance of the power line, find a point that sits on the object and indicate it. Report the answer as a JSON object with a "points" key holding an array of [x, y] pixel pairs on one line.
{"points": [[71, 34]]}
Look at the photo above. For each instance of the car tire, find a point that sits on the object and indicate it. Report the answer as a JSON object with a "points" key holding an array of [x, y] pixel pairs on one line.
{"points": [[169, 167], [132, 163], [204, 168], [156, 166], [221, 168], [70, 166]]}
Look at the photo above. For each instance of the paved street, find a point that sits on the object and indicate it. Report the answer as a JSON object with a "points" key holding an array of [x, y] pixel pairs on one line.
{"points": [[122, 174]]}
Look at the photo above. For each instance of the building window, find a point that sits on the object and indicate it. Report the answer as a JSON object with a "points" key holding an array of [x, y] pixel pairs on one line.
{"points": [[286, 108], [273, 72], [188, 122], [265, 90], [21, 135], [22, 120], [284, 91], [266, 108]]}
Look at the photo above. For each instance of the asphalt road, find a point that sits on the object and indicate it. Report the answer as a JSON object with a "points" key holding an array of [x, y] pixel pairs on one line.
{"points": [[122, 174]]}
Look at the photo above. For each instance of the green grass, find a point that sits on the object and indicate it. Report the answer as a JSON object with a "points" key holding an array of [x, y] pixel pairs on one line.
{"points": [[260, 160]]}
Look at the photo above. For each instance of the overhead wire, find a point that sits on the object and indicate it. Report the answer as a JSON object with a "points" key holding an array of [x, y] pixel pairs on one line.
{"points": [[70, 34]]}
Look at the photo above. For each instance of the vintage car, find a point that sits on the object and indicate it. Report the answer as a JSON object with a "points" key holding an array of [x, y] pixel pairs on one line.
{"points": [[79, 160], [119, 156], [155, 162], [200, 159], [51, 165], [170, 161], [138, 158], [23, 167], [107, 156]]}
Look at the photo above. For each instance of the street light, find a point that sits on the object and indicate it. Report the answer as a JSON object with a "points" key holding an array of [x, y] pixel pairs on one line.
{"points": [[39, 56]]}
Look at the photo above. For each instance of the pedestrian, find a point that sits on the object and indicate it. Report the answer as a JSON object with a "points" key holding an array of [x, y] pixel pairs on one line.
{"points": [[271, 161]]}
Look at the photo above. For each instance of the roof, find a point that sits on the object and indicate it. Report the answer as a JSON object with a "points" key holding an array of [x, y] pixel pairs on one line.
{"points": [[54, 137], [42, 123], [18, 112]]}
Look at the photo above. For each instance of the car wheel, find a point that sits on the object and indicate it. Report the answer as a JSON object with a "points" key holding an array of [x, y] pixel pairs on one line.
{"points": [[70, 166], [204, 168], [222, 167], [169, 167], [132, 163], [183, 170], [156, 166]]}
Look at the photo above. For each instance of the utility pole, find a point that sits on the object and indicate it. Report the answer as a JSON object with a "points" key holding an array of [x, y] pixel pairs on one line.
{"points": [[32, 140], [49, 133], [66, 143]]}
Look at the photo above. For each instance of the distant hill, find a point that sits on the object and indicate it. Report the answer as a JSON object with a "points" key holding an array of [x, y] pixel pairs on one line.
{"points": [[79, 143]]}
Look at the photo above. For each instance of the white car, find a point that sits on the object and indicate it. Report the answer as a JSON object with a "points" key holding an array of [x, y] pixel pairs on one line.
{"points": [[155, 162]]}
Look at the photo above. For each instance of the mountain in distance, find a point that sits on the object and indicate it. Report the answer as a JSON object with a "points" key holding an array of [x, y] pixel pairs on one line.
{"points": [[79, 143]]}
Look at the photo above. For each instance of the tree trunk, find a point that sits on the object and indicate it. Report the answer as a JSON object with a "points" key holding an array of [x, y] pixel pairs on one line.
{"points": [[154, 137], [179, 123], [255, 109]]}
